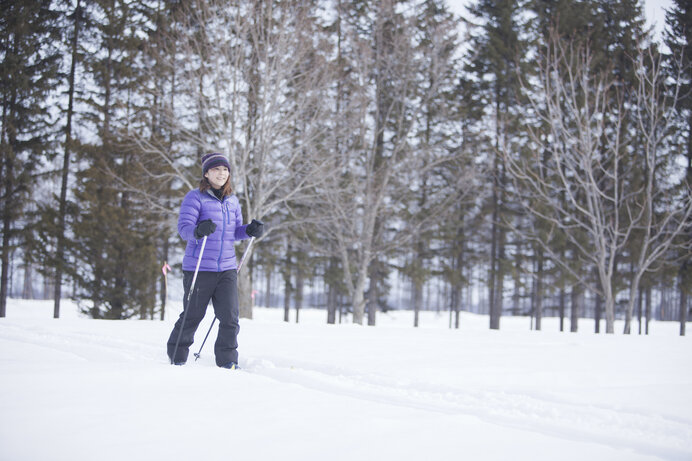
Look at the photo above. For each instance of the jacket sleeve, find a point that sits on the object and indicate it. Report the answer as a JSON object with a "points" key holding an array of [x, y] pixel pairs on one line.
{"points": [[189, 214], [240, 232]]}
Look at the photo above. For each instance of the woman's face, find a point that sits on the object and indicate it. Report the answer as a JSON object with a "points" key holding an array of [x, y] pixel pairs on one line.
{"points": [[217, 176]]}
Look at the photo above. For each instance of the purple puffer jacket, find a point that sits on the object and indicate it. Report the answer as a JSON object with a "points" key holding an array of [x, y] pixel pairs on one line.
{"points": [[219, 252]]}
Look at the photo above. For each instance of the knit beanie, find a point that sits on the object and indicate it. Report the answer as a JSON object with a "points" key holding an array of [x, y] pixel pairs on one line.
{"points": [[214, 160]]}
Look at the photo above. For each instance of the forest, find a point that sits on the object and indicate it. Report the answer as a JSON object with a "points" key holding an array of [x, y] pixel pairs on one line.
{"points": [[531, 157]]}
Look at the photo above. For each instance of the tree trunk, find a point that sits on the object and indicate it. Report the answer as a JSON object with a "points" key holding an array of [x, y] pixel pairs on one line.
{"points": [[332, 293], [6, 221], [494, 320], [640, 295], [340, 308], [300, 282], [331, 304], [358, 300], [286, 271], [28, 288], [287, 297], [373, 295], [683, 305], [648, 309], [563, 301], [497, 257], [609, 299], [598, 313], [629, 312], [499, 282], [576, 301], [454, 299], [417, 299], [458, 267], [538, 299], [62, 207]]}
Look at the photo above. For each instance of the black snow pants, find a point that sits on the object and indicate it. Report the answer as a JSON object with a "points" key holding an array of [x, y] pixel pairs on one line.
{"points": [[222, 289]]}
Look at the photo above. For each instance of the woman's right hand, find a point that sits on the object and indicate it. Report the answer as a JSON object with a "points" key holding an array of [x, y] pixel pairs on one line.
{"points": [[204, 228]]}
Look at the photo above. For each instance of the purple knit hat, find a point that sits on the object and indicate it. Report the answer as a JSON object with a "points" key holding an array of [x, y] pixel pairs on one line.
{"points": [[213, 160]]}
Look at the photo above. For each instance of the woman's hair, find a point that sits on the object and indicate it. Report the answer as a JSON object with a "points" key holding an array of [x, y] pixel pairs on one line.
{"points": [[205, 185]]}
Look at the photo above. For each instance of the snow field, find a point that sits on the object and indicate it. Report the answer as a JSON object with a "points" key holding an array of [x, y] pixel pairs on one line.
{"points": [[83, 389]]}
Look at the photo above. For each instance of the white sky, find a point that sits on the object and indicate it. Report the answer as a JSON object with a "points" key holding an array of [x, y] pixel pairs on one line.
{"points": [[654, 11]]}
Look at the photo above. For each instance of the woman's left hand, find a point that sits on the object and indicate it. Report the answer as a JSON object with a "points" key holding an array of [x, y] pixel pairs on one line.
{"points": [[255, 228]]}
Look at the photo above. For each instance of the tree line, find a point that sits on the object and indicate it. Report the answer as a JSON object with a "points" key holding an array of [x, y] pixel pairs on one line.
{"points": [[531, 157]]}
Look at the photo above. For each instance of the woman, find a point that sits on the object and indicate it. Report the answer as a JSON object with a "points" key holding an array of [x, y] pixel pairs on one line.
{"points": [[212, 211]]}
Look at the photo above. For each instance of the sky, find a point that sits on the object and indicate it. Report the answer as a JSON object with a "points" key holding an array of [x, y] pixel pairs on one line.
{"points": [[653, 9]]}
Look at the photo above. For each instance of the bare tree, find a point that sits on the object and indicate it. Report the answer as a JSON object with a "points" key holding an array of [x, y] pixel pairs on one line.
{"points": [[576, 179], [248, 74], [381, 102], [663, 214]]}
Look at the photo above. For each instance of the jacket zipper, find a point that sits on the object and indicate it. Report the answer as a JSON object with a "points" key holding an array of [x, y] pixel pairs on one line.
{"points": [[223, 231]]}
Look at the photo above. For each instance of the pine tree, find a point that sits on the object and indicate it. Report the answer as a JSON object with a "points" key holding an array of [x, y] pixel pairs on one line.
{"points": [[155, 178], [29, 64], [498, 49], [678, 38], [76, 24], [114, 236], [429, 197]]}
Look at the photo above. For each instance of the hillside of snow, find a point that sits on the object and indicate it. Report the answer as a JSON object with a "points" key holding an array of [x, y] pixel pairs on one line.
{"points": [[80, 389]]}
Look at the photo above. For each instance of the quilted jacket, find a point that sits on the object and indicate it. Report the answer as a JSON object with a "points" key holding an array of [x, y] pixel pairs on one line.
{"points": [[219, 252]]}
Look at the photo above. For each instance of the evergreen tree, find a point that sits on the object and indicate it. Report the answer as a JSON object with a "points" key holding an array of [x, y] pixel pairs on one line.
{"points": [[498, 49], [75, 24], [678, 39], [429, 196], [114, 236], [155, 179], [28, 77]]}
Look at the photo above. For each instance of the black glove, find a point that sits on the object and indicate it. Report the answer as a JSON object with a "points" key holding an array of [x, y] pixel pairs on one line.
{"points": [[255, 228], [204, 228]]}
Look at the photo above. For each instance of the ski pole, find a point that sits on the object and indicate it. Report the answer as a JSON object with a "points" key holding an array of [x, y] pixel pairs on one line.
{"points": [[240, 264], [189, 296]]}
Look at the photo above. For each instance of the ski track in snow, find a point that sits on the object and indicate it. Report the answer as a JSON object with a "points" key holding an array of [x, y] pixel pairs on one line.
{"points": [[656, 436], [80, 345]]}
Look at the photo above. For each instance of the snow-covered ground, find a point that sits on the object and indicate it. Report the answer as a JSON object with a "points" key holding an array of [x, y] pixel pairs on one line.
{"points": [[79, 389]]}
